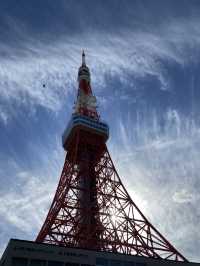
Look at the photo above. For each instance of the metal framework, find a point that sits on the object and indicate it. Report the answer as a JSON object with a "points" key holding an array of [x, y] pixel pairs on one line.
{"points": [[92, 209]]}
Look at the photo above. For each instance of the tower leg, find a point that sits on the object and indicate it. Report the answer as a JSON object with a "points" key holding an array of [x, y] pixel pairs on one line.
{"points": [[93, 210]]}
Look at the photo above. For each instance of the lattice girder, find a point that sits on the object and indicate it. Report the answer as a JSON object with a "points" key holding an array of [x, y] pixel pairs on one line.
{"points": [[111, 221]]}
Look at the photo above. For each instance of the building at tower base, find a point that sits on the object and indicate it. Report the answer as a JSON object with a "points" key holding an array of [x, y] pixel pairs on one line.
{"points": [[28, 253]]}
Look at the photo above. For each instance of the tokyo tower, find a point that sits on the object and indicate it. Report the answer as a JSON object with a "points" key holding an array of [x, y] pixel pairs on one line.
{"points": [[91, 208]]}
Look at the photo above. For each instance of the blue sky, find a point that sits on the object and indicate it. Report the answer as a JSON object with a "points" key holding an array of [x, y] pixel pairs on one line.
{"points": [[144, 61]]}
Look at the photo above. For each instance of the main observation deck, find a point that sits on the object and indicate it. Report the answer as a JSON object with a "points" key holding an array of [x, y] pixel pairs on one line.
{"points": [[84, 123]]}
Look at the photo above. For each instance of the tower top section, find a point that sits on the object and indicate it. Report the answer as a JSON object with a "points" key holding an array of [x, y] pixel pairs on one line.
{"points": [[85, 116], [83, 72], [86, 102]]}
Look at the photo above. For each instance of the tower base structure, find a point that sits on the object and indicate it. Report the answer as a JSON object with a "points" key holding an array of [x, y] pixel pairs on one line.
{"points": [[28, 253], [91, 208]]}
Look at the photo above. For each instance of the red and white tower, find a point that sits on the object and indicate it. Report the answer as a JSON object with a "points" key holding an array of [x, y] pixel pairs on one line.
{"points": [[91, 208]]}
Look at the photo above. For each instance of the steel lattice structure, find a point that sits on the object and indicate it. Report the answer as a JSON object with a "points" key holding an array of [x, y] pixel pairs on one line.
{"points": [[91, 208]]}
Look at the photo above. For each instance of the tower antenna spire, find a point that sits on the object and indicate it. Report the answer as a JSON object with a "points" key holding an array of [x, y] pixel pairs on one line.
{"points": [[83, 58]]}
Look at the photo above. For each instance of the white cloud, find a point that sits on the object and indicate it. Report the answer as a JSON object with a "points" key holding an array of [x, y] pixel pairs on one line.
{"points": [[162, 177], [3, 116], [27, 190], [26, 206], [184, 196], [23, 73]]}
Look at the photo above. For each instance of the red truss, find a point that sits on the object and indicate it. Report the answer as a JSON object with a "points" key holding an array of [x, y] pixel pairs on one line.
{"points": [[107, 219]]}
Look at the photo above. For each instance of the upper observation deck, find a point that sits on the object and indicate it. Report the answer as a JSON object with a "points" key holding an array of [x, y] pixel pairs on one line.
{"points": [[84, 123]]}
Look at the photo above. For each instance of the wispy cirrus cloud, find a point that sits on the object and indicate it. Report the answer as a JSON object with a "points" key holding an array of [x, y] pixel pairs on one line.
{"points": [[163, 168], [24, 71], [24, 209], [26, 192], [184, 195], [158, 162]]}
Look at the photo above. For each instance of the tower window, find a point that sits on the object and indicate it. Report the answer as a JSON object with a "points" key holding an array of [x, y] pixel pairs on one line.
{"points": [[19, 262], [115, 263], [37, 263], [101, 262], [71, 264], [55, 263]]}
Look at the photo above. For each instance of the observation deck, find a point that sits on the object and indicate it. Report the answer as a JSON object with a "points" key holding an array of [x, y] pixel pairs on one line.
{"points": [[85, 123]]}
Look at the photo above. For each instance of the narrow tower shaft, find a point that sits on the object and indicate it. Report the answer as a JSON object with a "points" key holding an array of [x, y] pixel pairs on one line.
{"points": [[89, 135]]}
